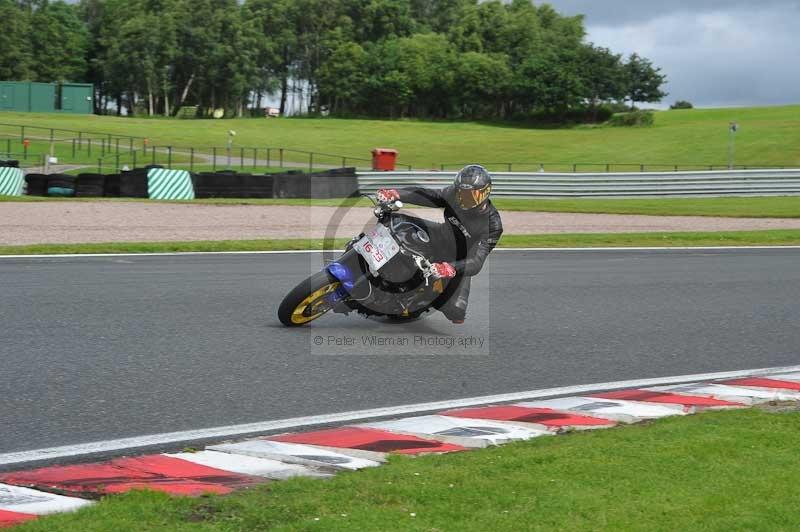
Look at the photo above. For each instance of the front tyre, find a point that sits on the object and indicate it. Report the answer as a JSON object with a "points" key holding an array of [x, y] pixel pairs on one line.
{"points": [[309, 300]]}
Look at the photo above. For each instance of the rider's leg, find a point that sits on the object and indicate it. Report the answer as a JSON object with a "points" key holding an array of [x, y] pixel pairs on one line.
{"points": [[455, 308]]}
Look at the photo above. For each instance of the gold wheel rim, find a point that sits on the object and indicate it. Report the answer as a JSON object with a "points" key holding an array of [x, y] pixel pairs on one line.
{"points": [[315, 300]]}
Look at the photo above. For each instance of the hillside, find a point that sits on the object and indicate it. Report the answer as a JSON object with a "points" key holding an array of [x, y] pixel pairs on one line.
{"points": [[767, 136]]}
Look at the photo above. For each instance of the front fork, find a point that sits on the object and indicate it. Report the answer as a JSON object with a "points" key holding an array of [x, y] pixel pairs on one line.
{"points": [[351, 271]]}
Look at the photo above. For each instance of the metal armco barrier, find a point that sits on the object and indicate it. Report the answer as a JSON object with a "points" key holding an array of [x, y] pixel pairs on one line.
{"points": [[544, 185]]}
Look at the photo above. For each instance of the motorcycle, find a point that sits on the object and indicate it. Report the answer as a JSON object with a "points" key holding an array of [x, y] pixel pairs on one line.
{"points": [[385, 272]]}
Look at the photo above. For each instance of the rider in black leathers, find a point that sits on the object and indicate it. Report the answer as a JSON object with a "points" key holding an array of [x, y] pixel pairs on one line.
{"points": [[471, 230]]}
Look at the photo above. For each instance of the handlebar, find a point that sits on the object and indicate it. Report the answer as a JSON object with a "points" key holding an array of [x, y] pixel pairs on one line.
{"points": [[382, 209]]}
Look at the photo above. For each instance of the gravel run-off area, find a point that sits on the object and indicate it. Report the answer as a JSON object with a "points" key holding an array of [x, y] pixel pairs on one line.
{"points": [[85, 222]]}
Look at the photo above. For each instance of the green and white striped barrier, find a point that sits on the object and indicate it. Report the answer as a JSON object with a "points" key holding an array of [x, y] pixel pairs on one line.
{"points": [[165, 184], [10, 181]]}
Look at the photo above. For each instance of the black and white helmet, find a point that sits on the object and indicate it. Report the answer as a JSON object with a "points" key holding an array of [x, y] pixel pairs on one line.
{"points": [[472, 185]]}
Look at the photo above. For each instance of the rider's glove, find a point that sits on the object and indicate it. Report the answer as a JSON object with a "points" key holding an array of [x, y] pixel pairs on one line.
{"points": [[443, 270], [386, 195]]}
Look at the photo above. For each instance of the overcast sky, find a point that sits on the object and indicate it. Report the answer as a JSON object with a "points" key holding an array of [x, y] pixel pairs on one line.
{"points": [[714, 52]]}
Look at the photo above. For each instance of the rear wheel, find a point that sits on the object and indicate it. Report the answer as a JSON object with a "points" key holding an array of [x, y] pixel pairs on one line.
{"points": [[309, 300]]}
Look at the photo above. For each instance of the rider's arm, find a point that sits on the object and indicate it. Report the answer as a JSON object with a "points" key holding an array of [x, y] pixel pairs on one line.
{"points": [[426, 197], [473, 264]]}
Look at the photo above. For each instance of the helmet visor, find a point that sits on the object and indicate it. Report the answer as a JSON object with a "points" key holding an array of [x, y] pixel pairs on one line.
{"points": [[471, 198]]}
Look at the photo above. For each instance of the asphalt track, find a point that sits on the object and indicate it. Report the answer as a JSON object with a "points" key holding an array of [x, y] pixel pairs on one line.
{"points": [[110, 347]]}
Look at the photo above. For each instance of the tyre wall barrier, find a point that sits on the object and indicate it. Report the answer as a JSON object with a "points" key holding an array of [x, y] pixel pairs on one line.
{"points": [[61, 185], [159, 183], [232, 185], [90, 186], [335, 183], [11, 181], [37, 184], [163, 184], [132, 184]]}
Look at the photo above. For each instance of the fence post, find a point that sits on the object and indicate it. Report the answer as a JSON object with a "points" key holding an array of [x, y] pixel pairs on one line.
{"points": [[8, 148], [169, 157], [130, 144], [25, 150], [676, 167], [117, 146], [241, 158], [73, 148], [191, 159], [574, 168], [311, 161], [80, 140], [100, 165], [154, 155], [134, 159], [255, 159], [52, 135], [214, 163], [641, 168], [344, 162], [116, 168], [608, 167], [281, 154], [89, 146], [268, 161], [442, 166]]}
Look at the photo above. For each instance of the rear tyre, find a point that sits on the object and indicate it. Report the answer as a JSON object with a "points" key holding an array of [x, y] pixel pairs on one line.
{"points": [[308, 301]]}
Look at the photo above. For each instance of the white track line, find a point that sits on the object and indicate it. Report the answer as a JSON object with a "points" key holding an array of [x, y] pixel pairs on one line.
{"points": [[308, 251], [170, 438]]}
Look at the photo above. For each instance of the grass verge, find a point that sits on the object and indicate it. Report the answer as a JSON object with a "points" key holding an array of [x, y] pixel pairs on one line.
{"points": [[785, 237], [764, 207], [733, 470]]}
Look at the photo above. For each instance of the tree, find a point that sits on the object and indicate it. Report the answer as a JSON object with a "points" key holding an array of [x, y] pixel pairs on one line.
{"points": [[482, 83], [682, 104], [551, 83], [276, 48], [141, 55], [376, 20], [61, 41], [15, 50], [643, 81], [603, 76], [418, 58], [342, 79], [412, 76]]}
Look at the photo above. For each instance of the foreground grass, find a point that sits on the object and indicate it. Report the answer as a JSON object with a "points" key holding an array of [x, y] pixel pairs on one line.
{"points": [[766, 207], [723, 471], [768, 136], [731, 238]]}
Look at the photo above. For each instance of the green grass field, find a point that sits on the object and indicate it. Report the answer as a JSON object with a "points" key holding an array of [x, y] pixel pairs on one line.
{"points": [[720, 471], [733, 238], [767, 136]]}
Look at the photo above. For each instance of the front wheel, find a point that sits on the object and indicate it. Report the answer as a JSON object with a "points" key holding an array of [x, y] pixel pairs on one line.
{"points": [[309, 300]]}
